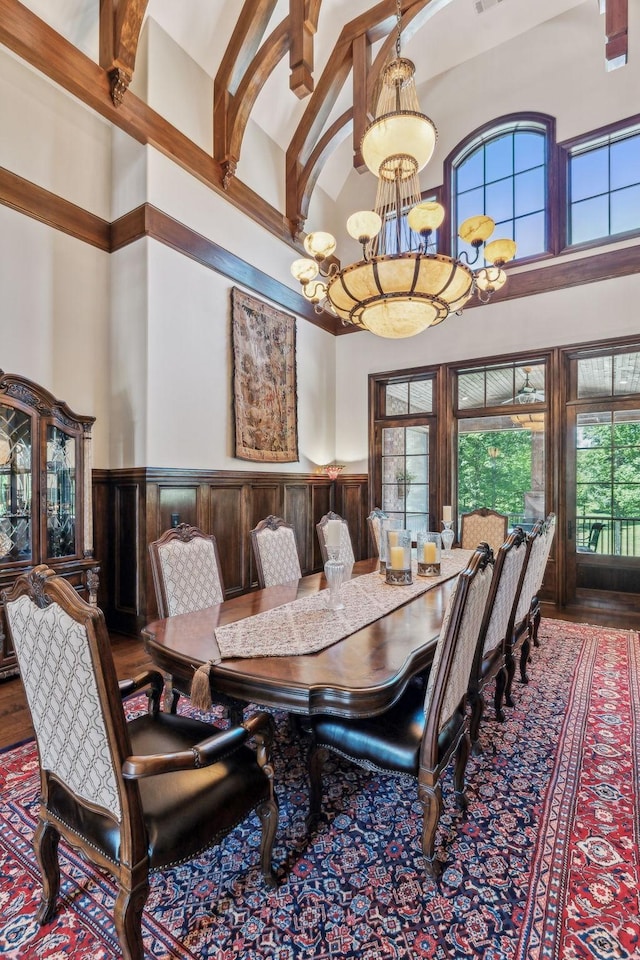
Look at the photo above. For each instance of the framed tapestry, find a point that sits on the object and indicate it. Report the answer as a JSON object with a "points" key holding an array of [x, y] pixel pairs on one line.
{"points": [[265, 397]]}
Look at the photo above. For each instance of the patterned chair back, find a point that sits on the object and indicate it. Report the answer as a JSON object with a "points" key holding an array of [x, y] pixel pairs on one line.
{"points": [[186, 571], [537, 551], [502, 600], [346, 549], [275, 551], [456, 648], [63, 652], [483, 526], [374, 521], [548, 532]]}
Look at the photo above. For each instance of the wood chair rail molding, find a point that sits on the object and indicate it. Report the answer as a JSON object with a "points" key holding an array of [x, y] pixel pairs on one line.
{"points": [[148, 221]]}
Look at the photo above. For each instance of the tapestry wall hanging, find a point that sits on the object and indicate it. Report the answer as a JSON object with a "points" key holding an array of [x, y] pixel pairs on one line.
{"points": [[264, 381]]}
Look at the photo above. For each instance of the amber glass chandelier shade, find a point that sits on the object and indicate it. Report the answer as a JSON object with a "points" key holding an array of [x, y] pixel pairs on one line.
{"points": [[500, 251], [430, 286], [410, 134], [320, 244], [490, 279], [476, 229], [364, 225], [304, 270], [426, 216]]}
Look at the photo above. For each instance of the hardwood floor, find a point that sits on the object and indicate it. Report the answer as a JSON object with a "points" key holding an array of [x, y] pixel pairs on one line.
{"points": [[15, 721], [131, 659]]}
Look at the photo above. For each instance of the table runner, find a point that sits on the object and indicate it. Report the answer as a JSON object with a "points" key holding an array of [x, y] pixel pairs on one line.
{"points": [[307, 625]]}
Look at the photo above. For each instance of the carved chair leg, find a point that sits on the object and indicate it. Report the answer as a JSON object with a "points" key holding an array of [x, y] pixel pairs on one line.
{"points": [[459, 770], [317, 757], [510, 666], [536, 625], [476, 700], [45, 844], [501, 683], [268, 813], [128, 918], [524, 655], [431, 799]]}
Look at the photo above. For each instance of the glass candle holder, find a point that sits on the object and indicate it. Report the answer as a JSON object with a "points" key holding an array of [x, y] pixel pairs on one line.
{"points": [[448, 536], [389, 527], [428, 551], [398, 570]]}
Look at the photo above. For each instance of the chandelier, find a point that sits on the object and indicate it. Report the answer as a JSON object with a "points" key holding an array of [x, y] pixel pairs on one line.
{"points": [[525, 395], [395, 291]]}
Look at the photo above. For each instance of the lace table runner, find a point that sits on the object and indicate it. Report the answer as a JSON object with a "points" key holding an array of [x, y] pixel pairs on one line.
{"points": [[307, 625]]}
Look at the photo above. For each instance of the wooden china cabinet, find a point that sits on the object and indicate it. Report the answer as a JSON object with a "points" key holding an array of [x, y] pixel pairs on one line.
{"points": [[45, 493]]}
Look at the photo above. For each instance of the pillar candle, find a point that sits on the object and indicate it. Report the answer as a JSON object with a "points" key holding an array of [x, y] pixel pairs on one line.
{"points": [[396, 560], [332, 533], [430, 555], [392, 537], [446, 513]]}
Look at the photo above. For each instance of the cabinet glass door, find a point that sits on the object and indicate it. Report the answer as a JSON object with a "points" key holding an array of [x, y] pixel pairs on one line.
{"points": [[61, 492], [15, 485]]}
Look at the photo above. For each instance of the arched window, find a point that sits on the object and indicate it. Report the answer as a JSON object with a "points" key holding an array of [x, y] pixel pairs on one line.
{"points": [[502, 170]]}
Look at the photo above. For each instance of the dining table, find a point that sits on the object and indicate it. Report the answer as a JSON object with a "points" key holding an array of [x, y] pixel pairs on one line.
{"points": [[360, 675]]}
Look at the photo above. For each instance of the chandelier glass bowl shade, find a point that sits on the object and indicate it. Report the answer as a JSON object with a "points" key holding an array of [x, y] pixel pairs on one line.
{"points": [[393, 291]]}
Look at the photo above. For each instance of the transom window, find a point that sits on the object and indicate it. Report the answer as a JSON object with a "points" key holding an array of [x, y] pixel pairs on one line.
{"points": [[505, 177], [604, 187]]}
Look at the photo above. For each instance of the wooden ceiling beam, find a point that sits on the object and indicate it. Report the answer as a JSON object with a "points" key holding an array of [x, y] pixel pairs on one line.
{"points": [[617, 33], [270, 54], [120, 26], [241, 50], [348, 54], [303, 20]]}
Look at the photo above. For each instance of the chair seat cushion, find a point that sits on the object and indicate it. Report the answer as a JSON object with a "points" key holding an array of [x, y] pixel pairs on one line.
{"points": [[185, 811], [390, 741]]}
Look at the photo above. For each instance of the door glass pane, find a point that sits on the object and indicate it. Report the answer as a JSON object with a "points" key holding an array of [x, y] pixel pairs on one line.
{"points": [[15, 485], [61, 493], [405, 475], [608, 482], [501, 466]]}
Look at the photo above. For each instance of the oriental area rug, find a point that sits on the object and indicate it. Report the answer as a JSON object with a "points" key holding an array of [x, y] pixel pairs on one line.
{"points": [[544, 864]]}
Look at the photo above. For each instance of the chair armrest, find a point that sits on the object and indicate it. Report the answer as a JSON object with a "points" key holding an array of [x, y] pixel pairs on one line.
{"points": [[151, 678], [215, 748]]}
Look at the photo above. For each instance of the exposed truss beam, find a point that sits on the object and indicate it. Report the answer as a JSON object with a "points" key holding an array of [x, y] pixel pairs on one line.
{"points": [[616, 17], [120, 25], [309, 146], [303, 19], [243, 46]]}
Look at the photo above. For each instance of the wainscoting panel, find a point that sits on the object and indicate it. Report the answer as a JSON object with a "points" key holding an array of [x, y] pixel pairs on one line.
{"points": [[133, 507]]}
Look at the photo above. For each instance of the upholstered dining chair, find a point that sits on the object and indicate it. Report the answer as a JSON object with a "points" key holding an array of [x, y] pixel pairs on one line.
{"points": [[374, 522], [548, 532], [483, 526], [522, 631], [420, 734], [275, 552], [497, 625], [132, 796], [346, 548], [186, 571]]}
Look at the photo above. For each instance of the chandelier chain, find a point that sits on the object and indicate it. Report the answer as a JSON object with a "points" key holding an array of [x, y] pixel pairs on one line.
{"points": [[398, 22]]}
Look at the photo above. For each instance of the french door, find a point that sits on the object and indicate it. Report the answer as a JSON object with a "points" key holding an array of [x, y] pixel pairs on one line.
{"points": [[603, 502]]}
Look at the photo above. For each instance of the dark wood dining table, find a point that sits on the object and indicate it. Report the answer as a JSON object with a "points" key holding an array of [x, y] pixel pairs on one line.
{"points": [[360, 675]]}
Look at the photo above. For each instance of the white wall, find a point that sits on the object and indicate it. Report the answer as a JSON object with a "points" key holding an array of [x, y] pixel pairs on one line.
{"points": [[189, 400]]}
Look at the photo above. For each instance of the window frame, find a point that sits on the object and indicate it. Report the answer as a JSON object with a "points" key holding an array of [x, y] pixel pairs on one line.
{"points": [[565, 151], [509, 123]]}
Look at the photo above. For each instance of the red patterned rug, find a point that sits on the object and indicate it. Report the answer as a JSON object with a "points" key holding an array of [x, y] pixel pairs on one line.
{"points": [[544, 864], [585, 875]]}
